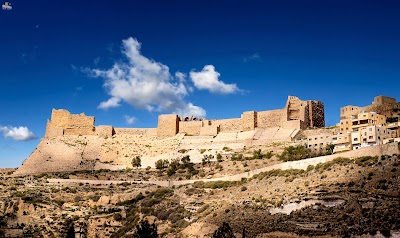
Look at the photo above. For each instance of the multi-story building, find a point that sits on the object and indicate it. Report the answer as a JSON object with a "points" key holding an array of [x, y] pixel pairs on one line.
{"points": [[369, 136], [365, 119], [342, 142], [318, 143]]}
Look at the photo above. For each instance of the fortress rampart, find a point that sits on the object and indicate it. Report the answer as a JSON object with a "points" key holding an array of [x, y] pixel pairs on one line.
{"points": [[297, 114]]}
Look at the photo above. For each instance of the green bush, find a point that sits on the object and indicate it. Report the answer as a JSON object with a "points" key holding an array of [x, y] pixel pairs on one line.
{"points": [[219, 157], [293, 153], [237, 157], [161, 164], [366, 160]]}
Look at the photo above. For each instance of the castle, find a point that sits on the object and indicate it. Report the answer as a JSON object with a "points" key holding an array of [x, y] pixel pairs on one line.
{"points": [[297, 114]]}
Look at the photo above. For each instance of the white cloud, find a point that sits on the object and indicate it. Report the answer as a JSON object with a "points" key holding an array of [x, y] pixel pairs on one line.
{"points": [[145, 83], [21, 133], [181, 76], [110, 103], [130, 120], [208, 79]]}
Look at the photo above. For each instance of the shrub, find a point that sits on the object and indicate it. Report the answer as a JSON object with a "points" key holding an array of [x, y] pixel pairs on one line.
{"points": [[136, 162], [161, 164], [293, 153], [202, 151], [237, 157], [257, 154], [244, 188], [227, 148], [366, 160], [117, 216], [219, 157]]}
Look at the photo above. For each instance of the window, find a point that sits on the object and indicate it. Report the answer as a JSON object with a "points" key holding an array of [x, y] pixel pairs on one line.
{"points": [[370, 129], [370, 137], [355, 139], [347, 129]]}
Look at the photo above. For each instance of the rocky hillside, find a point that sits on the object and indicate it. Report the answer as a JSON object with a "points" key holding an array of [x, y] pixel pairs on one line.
{"points": [[345, 197]]}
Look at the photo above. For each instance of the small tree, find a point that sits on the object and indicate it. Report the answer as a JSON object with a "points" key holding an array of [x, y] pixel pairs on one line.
{"points": [[224, 231], [145, 230], [162, 164], [136, 162], [219, 157], [329, 149]]}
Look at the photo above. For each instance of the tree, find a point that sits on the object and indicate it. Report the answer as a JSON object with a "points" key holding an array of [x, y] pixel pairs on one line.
{"points": [[224, 231], [219, 157], [136, 162], [162, 164], [145, 230], [329, 149]]}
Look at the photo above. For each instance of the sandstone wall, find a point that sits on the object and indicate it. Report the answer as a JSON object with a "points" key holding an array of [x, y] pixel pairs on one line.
{"points": [[136, 131], [62, 118], [69, 124], [190, 127], [79, 131], [168, 125], [273, 118], [105, 131], [228, 125], [296, 124], [249, 121], [209, 130]]}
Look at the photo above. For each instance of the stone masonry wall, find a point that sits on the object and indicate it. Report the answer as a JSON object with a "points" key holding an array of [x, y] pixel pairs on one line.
{"points": [[190, 127], [249, 120], [105, 131], [209, 130], [228, 125], [136, 131], [168, 125], [273, 118], [69, 124]]}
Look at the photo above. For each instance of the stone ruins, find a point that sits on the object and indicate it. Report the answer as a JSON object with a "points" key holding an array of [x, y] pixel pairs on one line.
{"points": [[297, 114]]}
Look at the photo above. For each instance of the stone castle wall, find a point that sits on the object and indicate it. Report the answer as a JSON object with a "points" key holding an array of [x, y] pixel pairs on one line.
{"points": [[64, 123], [228, 125], [136, 131], [190, 127], [297, 114], [168, 125], [273, 118]]}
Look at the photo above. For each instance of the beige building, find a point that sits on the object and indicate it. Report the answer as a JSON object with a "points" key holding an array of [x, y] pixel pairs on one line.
{"points": [[364, 119], [318, 143], [393, 129], [369, 136], [383, 105], [342, 142]]}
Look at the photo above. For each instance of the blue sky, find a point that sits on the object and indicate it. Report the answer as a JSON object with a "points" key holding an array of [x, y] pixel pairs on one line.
{"points": [[232, 56]]}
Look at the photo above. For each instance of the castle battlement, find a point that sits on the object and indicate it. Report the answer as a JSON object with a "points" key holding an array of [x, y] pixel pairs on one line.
{"points": [[297, 114]]}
